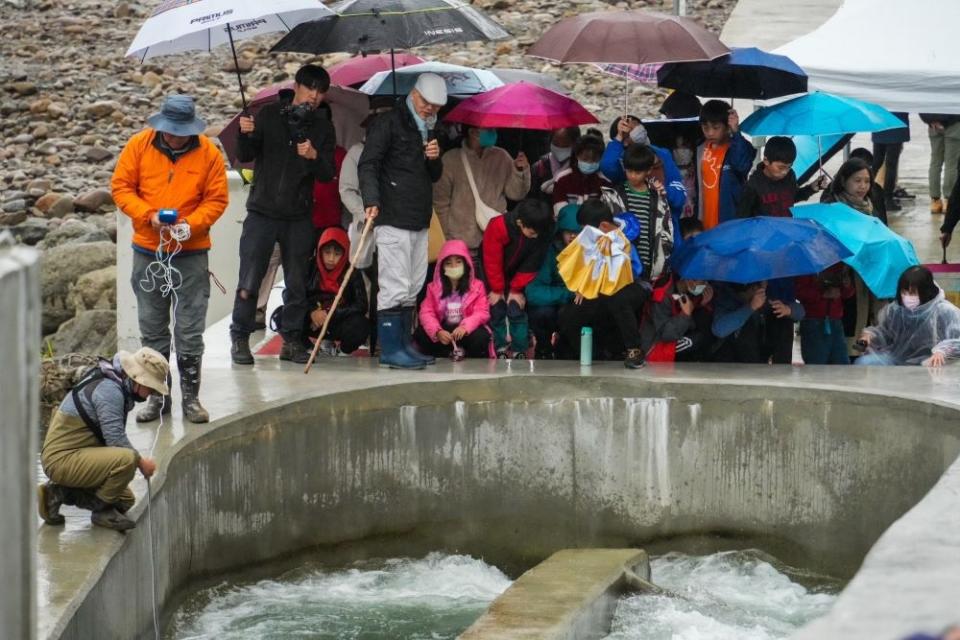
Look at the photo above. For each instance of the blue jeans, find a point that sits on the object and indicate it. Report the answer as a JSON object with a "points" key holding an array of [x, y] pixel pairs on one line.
{"points": [[822, 341]]}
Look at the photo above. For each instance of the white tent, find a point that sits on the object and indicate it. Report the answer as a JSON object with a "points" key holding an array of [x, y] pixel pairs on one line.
{"points": [[901, 54]]}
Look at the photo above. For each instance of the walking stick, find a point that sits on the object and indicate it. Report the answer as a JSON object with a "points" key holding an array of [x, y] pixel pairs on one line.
{"points": [[336, 300]]}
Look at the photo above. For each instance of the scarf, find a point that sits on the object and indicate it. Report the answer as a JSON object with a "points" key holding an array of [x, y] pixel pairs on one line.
{"points": [[864, 206], [330, 280], [423, 125]]}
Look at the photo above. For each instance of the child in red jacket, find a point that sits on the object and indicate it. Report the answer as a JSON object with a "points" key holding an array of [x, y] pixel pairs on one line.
{"points": [[455, 311], [514, 245]]}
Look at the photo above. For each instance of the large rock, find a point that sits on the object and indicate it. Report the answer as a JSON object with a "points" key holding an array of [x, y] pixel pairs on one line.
{"points": [[90, 332], [75, 232], [31, 231], [91, 201], [95, 290], [62, 267], [10, 219]]}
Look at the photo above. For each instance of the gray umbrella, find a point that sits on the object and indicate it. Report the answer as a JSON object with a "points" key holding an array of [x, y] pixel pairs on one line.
{"points": [[510, 76]]}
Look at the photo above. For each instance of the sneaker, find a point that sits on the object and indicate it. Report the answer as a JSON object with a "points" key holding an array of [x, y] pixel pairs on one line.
{"points": [[902, 194], [328, 347], [49, 499], [936, 205], [240, 351], [520, 355], [294, 351], [634, 359], [503, 354], [110, 518]]}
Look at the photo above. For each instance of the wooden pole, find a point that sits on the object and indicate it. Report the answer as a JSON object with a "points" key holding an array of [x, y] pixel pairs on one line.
{"points": [[336, 300]]}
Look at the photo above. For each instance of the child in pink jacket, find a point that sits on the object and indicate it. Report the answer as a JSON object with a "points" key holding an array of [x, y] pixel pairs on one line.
{"points": [[455, 311]]}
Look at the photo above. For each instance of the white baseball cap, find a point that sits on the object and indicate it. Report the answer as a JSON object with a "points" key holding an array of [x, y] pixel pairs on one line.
{"points": [[433, 88]]}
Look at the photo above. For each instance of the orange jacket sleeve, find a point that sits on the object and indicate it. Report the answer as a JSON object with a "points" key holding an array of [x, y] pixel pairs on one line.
{"points": [[124, 183], [215, 196]]}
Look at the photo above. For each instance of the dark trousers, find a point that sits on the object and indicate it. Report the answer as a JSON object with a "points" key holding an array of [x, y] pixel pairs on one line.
{"points": [[761, 339], [822, 341], [475, 345], [350, 329], [296, 239], [891, 154], [621, 309], [543, 322]]}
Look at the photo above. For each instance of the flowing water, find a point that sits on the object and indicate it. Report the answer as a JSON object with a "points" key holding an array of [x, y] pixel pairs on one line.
{"points": [[732, 595], [434, 597]]}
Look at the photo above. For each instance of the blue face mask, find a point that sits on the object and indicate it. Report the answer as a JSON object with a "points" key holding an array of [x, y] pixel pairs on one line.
{"points": [[488, 137], [588, 168]]}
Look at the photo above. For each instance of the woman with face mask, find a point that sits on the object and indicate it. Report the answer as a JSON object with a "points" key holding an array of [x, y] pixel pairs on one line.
{"points": [[582, 179], [545, 169], [481, 169], [919, 327], [676, 321]]}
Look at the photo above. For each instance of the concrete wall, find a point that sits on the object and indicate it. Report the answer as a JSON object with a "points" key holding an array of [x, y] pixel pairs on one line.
{"points": [[515, 469], [224, 263], [19, 399]]}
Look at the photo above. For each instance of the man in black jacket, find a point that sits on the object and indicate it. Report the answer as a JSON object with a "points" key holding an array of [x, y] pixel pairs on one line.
{"points": [[400, 163], [291, 147]]}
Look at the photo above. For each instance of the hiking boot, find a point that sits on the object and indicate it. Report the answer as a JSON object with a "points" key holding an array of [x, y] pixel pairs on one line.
{"points": [[189, 368], [634, 359], [110, 518], [936, 205], [902, 194], [240, 351], [154, 407], [294, 351], [49, 499]]}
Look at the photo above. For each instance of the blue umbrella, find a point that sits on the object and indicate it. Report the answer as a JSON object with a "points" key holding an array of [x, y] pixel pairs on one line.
{"points": [[819, 114], [460, 80], [755, 249], [747, 72], [879, 254], [813, 151]]}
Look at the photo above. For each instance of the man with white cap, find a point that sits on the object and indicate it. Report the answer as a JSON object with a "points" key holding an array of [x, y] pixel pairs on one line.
{"points": [[86, 452], [399, 164], [172, 166]]}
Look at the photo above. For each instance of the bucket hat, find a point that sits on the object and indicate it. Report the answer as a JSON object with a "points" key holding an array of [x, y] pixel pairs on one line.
{"points": [[178, 117], [148, 367]]}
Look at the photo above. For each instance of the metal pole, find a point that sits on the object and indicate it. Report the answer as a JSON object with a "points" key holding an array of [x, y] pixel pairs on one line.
{"points": [[679, 7]]}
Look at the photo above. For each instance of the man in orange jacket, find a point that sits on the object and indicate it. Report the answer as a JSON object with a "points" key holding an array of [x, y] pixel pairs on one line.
{"points": [[172, 166]]}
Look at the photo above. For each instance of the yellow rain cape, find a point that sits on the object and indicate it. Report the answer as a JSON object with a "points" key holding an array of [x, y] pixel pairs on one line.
{"points": [[596, 263]]}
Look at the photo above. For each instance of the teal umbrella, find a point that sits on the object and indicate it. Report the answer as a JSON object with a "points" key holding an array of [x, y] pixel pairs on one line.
{"points": [[879, 254], [819, 114]]}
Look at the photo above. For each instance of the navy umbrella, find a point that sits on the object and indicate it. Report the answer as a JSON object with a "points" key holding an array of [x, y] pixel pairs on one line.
{"points": [[761, 248], [747, 72]]}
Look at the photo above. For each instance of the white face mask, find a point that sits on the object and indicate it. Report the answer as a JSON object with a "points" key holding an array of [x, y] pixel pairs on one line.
{"points": [[910, 301], [698, 290], [454, 272], [562, 154]]}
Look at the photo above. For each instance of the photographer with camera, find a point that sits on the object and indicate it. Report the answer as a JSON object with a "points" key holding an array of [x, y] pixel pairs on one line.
{"points": [[291, 147], [171, 181], [397, 169]]}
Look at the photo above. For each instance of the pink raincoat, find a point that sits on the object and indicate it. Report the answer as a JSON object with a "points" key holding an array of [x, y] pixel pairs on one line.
{"points": [[476, 309]]}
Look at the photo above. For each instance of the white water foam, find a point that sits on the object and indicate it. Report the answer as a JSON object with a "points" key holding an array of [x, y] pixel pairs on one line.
{"points": [[734, 595], [430, 598]]}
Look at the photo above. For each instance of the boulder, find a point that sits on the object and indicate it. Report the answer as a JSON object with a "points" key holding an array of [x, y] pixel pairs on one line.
{"points": [[61, 268], [10, 219], [74, 232], [30, 231], [101, 109], [91, 201], [97, 154], [61, 207], [90, 332], [95, 290]]}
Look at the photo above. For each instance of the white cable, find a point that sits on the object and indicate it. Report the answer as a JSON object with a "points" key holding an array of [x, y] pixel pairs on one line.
{"points": [[161, 273]]}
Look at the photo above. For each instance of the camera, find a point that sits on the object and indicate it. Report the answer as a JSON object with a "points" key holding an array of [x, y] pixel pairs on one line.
{"points": [[299, 116]]}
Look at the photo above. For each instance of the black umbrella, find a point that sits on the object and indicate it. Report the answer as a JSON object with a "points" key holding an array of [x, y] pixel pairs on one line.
{"points": [[745, 73], [381, 25]]}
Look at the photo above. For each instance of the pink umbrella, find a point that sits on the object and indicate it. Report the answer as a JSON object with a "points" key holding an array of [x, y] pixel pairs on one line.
{"points": [[521, 106], [358, 69]]}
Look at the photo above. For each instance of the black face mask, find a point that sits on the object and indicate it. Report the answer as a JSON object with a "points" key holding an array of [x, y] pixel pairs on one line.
{"points": [[133, 394]]}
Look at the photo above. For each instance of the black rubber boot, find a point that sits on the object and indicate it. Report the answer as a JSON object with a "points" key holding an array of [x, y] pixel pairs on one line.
{"points": [[240, 350], [157, 405], [110, 518], [189, 368], [49, 498]]}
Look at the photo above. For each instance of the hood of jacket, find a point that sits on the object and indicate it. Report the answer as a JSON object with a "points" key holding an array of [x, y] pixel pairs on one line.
{"points": [[330, 280], [452, 248]]}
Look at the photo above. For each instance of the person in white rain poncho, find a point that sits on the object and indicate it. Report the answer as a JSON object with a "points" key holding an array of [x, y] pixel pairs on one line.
{"points": [[919, 327]]}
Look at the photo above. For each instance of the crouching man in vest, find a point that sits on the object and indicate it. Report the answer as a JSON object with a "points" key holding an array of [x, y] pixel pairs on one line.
{"points": [[86, 453]]}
